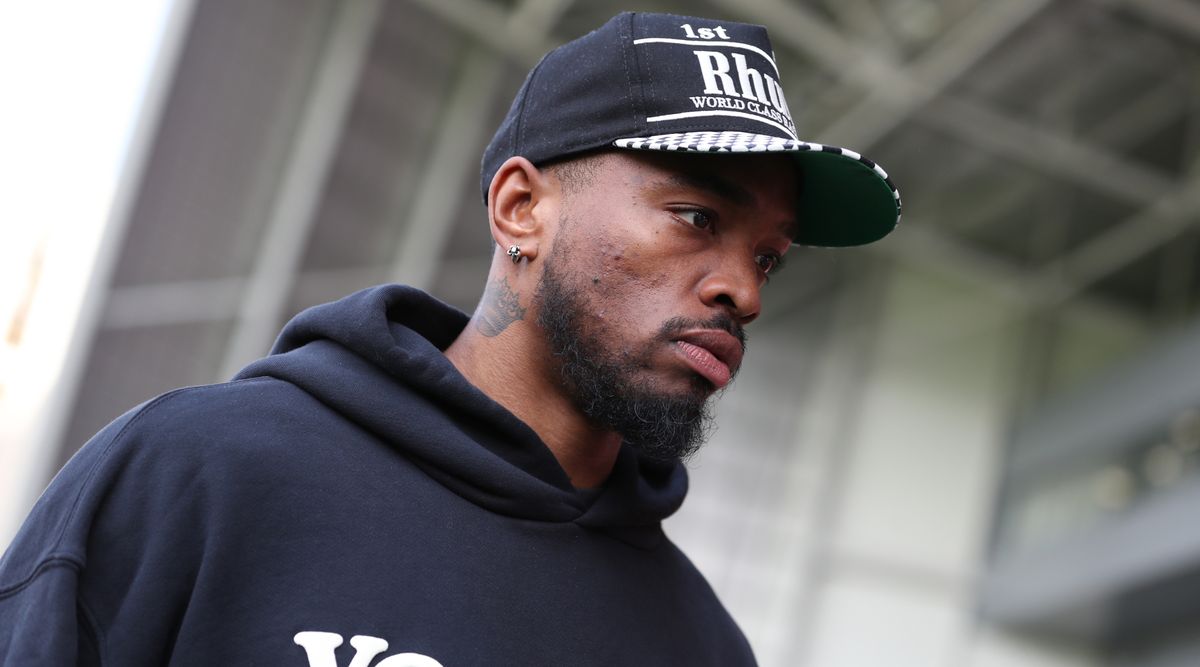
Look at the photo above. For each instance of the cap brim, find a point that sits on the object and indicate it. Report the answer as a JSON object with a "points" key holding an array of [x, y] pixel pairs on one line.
{"points": [[845, 199]]}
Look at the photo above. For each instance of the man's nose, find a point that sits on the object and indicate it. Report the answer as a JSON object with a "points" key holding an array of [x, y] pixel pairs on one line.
{"points": [[734, 286]]}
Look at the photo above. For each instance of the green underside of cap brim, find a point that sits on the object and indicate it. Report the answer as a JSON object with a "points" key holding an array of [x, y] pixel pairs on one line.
{"points": [[843, 202]]}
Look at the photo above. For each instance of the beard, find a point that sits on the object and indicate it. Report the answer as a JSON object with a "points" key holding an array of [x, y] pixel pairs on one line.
{"points": [[606, 385]]}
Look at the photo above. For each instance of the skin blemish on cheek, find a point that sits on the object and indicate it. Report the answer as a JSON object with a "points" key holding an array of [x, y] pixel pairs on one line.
{"points": [[595, 280], [611, 253]]}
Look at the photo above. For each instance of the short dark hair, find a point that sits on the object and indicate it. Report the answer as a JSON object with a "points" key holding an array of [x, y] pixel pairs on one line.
{"points": [[576, 172]]}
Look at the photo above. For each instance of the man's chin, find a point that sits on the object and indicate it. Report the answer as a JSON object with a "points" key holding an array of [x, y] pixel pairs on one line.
{"points": [[663, 426]]}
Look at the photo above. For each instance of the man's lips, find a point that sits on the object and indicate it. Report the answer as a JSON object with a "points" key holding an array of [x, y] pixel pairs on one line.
{"points": [[712, 353]]}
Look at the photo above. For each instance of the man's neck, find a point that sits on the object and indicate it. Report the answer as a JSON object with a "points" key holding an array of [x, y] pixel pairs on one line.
{"points": [[514, 370]]}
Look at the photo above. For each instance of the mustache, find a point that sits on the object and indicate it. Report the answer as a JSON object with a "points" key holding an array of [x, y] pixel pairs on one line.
{"points": [[720, 322]]}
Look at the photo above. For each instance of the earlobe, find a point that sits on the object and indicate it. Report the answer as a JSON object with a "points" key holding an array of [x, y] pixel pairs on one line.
{"points": [[514, 206]]}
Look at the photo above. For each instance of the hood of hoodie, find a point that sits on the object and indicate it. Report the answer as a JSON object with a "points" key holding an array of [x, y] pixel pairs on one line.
{"points": [[375, 358]]}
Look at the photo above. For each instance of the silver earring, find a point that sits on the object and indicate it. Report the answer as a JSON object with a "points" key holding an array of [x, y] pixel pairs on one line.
{"points": [[514, 251]]}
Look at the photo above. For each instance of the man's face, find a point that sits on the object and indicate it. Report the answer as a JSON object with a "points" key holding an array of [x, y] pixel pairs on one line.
{"points": [[655, 268]]}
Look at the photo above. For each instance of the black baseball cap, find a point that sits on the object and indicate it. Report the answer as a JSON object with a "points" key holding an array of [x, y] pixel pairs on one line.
{"points": [[660, 82]]}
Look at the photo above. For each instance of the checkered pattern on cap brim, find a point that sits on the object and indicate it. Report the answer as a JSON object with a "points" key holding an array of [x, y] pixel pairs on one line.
{"points": [[746, 142]]}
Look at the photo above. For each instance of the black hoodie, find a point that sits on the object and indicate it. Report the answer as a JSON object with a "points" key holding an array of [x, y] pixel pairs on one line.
{"points": [[351, 497]]}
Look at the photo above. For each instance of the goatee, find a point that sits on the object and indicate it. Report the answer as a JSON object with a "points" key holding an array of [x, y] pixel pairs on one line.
{"points": [[605, 384]]}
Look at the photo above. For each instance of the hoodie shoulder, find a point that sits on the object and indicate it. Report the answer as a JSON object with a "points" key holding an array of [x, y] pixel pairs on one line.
{"points": [[166, 446], [221, 418]]}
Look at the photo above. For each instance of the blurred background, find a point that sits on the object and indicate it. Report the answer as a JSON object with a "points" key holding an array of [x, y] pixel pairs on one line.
{"points": [[976, 443]]}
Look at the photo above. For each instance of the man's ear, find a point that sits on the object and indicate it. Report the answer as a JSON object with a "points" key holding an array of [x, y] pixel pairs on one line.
{"points": [[518, 203]]}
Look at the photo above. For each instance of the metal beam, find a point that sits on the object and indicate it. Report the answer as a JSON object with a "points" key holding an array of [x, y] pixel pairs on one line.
{"points": [[1131, 122], [463, 129], [159, 304], [921, 246], [1175, 15], [1177, 280], [1147, 113], [960, 48], [293, 209], [535, 18], [488, 23], [193, 301], [1120, 246], [895, 92], [1126, 125], [1048, 151], [809, 34], [1143, 232], [1058, 103], [863, 18]]}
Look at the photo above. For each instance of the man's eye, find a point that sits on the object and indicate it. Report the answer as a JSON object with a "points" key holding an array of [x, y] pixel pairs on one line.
{"points": [[767, 263], [696, 218]]}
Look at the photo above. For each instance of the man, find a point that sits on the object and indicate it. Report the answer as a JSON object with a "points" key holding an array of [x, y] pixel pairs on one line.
{"points": [[398, 485]]}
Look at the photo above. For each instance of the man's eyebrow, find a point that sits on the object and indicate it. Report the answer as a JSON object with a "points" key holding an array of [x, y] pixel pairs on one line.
{"points": [[715, 185], [730, 191]]}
